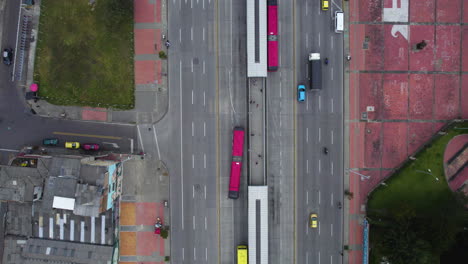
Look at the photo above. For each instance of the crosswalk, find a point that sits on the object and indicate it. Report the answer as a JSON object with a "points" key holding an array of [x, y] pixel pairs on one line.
{"points": [[69, 227]]}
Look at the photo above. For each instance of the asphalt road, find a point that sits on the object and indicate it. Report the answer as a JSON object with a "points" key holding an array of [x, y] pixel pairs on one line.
{"points": [[19, 127], [188, 134], [319, 124]]}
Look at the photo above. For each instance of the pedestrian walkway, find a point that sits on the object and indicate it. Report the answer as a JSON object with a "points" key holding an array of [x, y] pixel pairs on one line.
{"points": [[151, 93], [405, 84], [145, 188]]}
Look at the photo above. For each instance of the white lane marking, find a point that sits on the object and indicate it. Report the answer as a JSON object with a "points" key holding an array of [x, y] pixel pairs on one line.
{"points": [[205, 223], [193, 161], [103, 229], [307, 257], [194, 253], [331, 201], [191, 33], [319, 134], [140, 140], [192, 96], [93, 229], [319, 257], [204, 129], [193, 191], [319, 39], [320, 166], [206, 253], [281, 94], [203, 67], [16, 45], [307, 197], [61, 229], [307, 134], [332, 105], [331, 169], [51, 227], [9, 150], [307, 166], [204, 160], [183, 254], [331, 230], [331, 259], [82, 232], [306, 9], [193, 219], [307, 104], [332, 135], [307, 40], [280, 123], [72, 230], [204, 98], [319, 226], [320, 102], [181, 148], [131, 145], [307, 229], [319, 197], [230, 19], [205, 192], [191, 3], [331, 73], [157, 143], [193, 129], [180, 35], [203, 36], [203, 4], [192, 65]]}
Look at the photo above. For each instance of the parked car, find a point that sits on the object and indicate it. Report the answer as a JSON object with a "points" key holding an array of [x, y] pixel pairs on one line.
{"points": [[90, 146], [313, 220], [72, 145], [301, 93], [50, 142], [7, 56]]}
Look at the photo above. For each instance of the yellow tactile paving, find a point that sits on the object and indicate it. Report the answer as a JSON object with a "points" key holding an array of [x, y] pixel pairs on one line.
{"points": [[127, 244], [127, 214]]}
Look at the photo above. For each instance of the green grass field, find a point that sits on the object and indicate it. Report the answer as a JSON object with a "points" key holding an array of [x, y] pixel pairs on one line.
{"points": [[424, 192], [85, 53]]}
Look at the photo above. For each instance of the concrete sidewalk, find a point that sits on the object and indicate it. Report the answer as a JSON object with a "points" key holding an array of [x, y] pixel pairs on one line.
{"points": [[151, 93]]}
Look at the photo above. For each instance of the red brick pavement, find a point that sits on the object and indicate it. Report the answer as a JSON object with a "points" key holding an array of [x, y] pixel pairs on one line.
{"points": [[413, 92]]}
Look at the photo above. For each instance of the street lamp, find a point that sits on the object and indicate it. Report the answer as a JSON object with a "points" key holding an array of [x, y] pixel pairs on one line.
{"points": [[363, 177], [429, 172]]}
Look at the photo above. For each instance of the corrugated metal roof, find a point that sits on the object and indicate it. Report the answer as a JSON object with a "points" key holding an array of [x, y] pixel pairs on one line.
{"points": [[258, 224], [256, 38]]}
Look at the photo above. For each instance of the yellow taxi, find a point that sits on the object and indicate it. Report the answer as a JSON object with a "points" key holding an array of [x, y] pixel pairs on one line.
{"points": [[313, 220], [325, 5], [72, 145]]}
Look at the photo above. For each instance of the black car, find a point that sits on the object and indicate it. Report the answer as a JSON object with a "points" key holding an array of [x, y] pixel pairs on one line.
{"points": [[7, 56]]}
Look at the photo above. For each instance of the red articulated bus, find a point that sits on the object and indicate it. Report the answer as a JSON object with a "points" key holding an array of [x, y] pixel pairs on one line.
{"points": [[236, 162], [272, 35]]}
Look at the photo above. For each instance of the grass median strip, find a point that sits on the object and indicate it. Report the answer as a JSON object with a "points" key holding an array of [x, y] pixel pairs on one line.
{"points": [[85, 53]]}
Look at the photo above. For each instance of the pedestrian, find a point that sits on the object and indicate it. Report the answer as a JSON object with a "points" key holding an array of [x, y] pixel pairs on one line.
{"points": [[252, 134], [261, 90], [256, 163], [257, 105]]}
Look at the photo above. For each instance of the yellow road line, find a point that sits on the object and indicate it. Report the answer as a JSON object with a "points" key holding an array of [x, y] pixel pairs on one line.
{"points": [[85, 135]]}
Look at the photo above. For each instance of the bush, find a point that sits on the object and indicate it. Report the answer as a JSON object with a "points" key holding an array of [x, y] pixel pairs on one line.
{"points": [[164, 233], [167, 258], [349, 194], [162, 55]]}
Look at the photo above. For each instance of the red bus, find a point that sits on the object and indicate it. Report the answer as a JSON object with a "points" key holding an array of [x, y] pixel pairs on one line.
{"points": [[236, 162], [272, 35]]}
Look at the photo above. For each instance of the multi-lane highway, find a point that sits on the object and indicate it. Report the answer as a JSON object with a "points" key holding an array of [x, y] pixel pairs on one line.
{"points": [[208, 97], [319, 125]]}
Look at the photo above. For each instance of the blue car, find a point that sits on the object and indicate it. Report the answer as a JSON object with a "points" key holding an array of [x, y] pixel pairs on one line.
{"points": [[301, 93]]}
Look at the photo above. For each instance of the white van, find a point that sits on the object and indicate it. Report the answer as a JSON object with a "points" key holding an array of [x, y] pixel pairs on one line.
{"points": [[339, 22]]}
